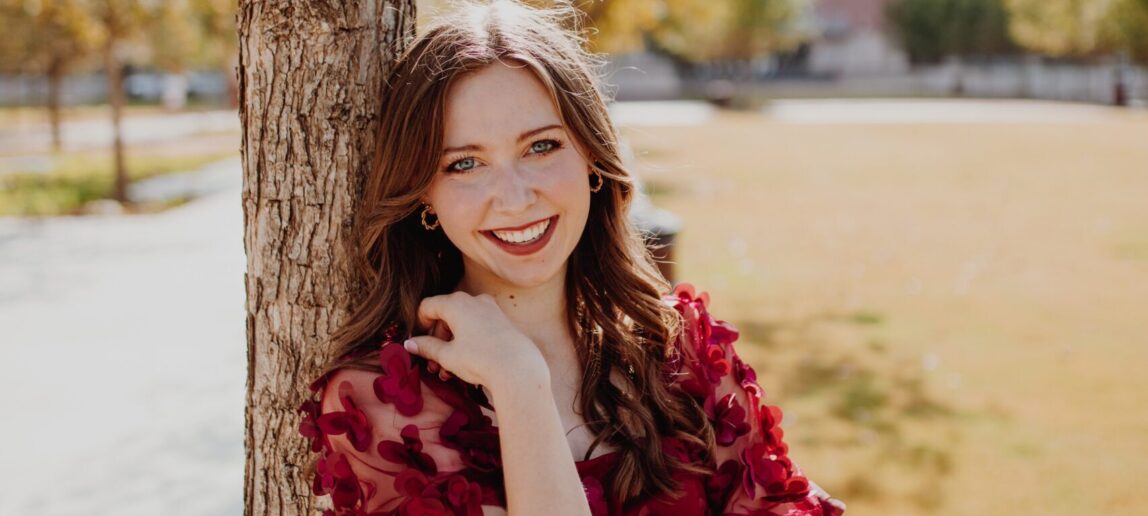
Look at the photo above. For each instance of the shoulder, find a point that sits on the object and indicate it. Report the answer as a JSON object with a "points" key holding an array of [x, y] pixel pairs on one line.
{"points": [[703, 354], [358, 408], [398, 393]]}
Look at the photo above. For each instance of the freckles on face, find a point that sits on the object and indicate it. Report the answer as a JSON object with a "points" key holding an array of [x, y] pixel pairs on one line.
{"points": [[509, 165]]}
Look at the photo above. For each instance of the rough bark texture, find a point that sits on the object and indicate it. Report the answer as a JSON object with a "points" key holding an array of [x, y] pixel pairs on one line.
{"points": [[310, 72]]}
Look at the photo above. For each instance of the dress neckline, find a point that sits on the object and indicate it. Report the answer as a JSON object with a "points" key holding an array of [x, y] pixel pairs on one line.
{"points": [[598, 458]]}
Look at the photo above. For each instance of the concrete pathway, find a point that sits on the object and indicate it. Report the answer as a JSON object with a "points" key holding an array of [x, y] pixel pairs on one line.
{"points": [[122, 361]]}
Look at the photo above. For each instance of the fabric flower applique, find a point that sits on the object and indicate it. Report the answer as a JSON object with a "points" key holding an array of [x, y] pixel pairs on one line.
{"points": [[729, 420], [409, 452], [399, 383], [309, 426], [334, 476], [474, 436], [350, 421]]}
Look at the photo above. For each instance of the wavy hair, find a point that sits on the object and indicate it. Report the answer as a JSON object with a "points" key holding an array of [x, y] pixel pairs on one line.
{"points": [[623, 329]]}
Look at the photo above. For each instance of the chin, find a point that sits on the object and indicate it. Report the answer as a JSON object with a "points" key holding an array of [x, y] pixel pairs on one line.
{"points": [[525, 279]]}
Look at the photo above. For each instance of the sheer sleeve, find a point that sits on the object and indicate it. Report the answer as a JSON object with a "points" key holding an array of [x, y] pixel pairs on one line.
{"points": [[754, 473], [401, 441]]}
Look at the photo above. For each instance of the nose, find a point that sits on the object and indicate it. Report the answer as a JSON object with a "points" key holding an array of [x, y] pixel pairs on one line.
{"points": [[514, 190]]}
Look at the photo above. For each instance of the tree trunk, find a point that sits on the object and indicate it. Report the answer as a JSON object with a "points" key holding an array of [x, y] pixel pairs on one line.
{"points": [[55, 84], [116, 99], [310, 72]]}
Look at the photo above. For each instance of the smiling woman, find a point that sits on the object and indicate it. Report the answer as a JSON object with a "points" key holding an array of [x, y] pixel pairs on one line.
{"points": [[516, 349]]}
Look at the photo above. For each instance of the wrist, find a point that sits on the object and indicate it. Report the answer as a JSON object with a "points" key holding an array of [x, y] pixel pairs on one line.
{"points": [[524, 378]]}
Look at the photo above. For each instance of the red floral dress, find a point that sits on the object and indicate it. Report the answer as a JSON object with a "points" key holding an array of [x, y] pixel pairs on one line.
{"points": [[406, 442]]}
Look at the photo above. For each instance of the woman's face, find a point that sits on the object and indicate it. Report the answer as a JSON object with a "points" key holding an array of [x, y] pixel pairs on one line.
{"points": [[512, 188]]}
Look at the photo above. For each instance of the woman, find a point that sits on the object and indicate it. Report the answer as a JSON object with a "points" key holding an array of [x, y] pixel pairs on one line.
{"points": [[516, 350]]}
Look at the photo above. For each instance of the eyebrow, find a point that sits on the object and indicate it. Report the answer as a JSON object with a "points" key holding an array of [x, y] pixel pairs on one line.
{"points": [[523, 136]]}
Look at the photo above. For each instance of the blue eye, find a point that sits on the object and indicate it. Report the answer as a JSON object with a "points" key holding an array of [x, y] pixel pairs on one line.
{"points": [[462, 164], [544, 146]]}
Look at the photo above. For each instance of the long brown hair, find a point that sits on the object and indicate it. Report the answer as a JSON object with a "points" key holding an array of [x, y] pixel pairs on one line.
{"points": [[622, 327]]}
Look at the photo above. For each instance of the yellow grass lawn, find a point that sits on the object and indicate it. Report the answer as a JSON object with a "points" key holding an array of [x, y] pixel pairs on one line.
{"points": [[953, 316]]}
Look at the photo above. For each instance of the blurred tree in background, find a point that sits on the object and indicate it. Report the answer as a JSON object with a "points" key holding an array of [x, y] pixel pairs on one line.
{"points": [[762, 27], [52, 37], [118, 21], [1126, 28], [219, 45], [46, 37], [695, 30], [686, 30], [1060, 28], [173, 36], [931, 30], [185, 34]]}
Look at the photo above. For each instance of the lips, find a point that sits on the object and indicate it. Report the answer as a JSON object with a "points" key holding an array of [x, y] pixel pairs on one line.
{"points": [[525, 239]]}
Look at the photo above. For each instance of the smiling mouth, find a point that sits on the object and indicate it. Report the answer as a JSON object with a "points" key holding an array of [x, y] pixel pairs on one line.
{"points": [[523, 236]]}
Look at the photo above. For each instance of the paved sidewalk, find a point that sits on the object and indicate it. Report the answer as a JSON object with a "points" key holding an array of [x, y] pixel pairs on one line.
{"points": [[97, 133], [122, 361]]}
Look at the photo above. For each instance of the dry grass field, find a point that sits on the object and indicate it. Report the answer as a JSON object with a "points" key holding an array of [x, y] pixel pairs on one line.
{"points": [[954, 316]]}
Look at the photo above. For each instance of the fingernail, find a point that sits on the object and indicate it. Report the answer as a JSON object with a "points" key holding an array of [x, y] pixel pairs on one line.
{"points": [[411, 346]]}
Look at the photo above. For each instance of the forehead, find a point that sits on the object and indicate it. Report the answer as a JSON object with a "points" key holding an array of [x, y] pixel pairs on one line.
{"points": [[494, 103]]}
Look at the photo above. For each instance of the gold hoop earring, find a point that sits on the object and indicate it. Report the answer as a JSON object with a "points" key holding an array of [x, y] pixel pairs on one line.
{"points": [[429, 227], [601, 181]]}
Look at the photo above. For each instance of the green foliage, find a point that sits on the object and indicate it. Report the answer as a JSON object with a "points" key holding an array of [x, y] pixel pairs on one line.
{"points": [[931, 30], [760, 27], [734, 29], [45, 36], [78, 179], [1126, 28], [1063, 28], [689, 30], [186, 33]]}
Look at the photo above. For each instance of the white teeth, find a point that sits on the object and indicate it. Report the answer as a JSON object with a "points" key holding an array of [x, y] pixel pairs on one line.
{"points": [[527, 235]]}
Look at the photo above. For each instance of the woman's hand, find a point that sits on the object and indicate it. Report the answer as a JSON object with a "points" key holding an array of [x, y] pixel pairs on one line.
{"points": [[481, 346]]}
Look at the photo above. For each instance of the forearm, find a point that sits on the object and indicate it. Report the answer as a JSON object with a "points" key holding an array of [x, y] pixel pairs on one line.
{"points": [[537, 465]]}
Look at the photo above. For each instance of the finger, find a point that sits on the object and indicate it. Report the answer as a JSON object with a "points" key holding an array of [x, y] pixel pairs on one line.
{"points": [[433, 366], [427, 347], [439, 329], [437, 308], [444, 375]]}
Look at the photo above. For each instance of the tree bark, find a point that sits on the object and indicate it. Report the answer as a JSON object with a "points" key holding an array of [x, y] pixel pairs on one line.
{"points": [[310, 73]]}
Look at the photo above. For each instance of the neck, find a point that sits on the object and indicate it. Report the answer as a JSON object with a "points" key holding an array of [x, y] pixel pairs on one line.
{"points": [[538, 311]]}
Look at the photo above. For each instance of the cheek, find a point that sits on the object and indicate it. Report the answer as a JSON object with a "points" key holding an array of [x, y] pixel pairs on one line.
{"points": [[568, 185], [456, 205], [569, 177]]}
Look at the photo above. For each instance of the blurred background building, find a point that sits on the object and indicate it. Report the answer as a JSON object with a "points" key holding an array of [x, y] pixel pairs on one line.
{"points": [[854, 39]]}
